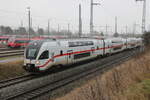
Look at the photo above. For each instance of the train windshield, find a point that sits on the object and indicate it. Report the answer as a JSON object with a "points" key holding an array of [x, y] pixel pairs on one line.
{"points": [[32, 49], [31, 53]]}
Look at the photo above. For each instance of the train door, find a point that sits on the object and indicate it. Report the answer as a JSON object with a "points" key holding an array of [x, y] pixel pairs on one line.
{"points": [[93, 50], [70, 56], [126, 43], [52, 56], [104, 49]]}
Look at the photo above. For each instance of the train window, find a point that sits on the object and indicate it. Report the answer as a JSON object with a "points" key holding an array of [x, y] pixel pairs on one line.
{"points": [[61, 52], [80, 43], [116, 41], [31, 53], [97, 47], [44, 55], [22, 41], [117, 48], [81, 55]]}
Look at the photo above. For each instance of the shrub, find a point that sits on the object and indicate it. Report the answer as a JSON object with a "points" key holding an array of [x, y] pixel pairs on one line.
{"points": [[146, 38]]}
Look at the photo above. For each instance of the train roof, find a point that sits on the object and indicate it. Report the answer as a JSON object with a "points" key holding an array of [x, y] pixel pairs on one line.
{"points": [[65, 42], [62, 40]]}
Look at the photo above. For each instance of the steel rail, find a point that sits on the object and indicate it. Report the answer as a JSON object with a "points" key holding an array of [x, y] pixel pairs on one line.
{"points": [[16, 80], [9, 49], [11, 53]]}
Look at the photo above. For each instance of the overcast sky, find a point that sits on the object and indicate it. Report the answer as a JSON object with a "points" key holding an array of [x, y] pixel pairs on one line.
{"points": [[66, 11]]}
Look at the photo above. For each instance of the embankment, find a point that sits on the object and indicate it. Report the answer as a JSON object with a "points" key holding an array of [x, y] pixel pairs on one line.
{"points": [[128, 81]]}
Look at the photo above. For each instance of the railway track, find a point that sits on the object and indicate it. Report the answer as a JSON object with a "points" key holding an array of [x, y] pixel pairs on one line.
{"points": [[67, 80], [16, 80], [3, 49], [12, 52], [52, 85], [8, 49], [2, 46]]}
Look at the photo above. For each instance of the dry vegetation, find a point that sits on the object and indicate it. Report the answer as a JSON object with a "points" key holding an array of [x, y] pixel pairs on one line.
{"points": [[128, 81], [12, 57], [11, 69], [140, 90]]}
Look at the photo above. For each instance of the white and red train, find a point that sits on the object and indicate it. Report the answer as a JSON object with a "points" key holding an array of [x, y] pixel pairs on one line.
{"points": [[23, 42], [20, 42], [3, 39], [44, 54]]}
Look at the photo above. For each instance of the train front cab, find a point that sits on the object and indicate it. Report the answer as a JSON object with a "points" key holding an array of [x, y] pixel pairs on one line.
{"points": [[35, 58]]}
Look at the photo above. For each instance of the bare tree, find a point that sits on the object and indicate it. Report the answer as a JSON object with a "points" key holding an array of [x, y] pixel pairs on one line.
{"points": [[40, 31]]}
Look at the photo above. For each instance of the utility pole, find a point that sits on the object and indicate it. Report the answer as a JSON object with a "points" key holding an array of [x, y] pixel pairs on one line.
{"points": [[80, 20], [116, 25], [48, 28], [69, 32], [91, 16], [58, 28], [21, 23], [144, 16], [107, 28], [126, 29], [68, 27], [134, 28], [135, 25], [38, 31], [29, 22]]}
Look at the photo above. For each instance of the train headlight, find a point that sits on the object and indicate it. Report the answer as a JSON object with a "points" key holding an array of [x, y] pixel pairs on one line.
{"points": [[37, 62]]}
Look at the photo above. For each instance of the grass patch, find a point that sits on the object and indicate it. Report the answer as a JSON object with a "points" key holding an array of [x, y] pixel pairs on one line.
{"points": [[139, 91], [146, 86], [11, 69]]}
